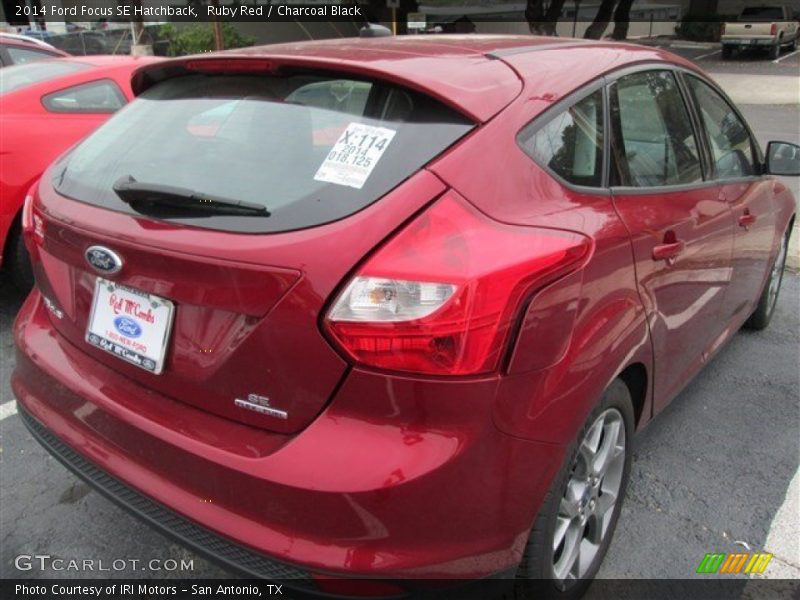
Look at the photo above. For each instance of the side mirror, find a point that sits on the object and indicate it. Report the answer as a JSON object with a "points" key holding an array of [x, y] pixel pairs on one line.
{"points": [[783, 158]]}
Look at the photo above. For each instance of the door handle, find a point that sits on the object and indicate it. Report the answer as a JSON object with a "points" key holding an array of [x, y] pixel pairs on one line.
{"points": [[746, 220], [669, 251]]}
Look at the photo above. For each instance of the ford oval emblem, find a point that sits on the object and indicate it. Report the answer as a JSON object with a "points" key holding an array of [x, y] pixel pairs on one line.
{"points": [[103, 260], [128, 327]]}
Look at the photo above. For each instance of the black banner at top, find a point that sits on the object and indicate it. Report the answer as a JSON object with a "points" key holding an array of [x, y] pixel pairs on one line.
{"points": [[19, 12]]}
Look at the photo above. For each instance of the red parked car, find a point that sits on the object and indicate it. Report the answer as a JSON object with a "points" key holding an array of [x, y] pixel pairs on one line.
{"points": [[45, 107], [393, 309]]}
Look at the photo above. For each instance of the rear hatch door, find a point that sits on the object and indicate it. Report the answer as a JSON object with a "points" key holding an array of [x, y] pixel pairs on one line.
{"points": [[254, 197]]}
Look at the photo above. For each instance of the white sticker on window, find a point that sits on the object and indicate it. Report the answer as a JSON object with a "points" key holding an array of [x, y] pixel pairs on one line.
{"points": [[354, 155]]}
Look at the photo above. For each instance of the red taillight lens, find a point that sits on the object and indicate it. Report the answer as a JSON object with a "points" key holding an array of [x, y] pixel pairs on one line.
{"points": [[27, 213], [441, 296], [32, 223], [774, 29]]}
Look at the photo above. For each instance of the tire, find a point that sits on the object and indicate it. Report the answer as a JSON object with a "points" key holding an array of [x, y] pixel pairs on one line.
{"points": [[769, 295], [727, 52], [17, 262], [793, 45], [545, 563], [775, 51]]}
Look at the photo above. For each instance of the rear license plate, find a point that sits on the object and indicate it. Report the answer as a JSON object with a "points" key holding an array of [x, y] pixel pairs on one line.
{"points": [[130, 324]]}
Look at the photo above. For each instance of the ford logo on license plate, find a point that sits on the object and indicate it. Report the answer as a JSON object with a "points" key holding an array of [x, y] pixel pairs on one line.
{"points": [[128, 327], [103, 260]]}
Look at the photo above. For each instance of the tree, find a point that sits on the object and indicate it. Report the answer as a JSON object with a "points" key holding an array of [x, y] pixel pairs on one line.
{"points": [[198, 38], [541, 22], [622, 20], [702, 9], [601, 20]]}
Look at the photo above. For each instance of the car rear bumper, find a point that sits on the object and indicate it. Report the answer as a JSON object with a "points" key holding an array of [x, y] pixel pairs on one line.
{"points": [[748, 41], [189, 534], [431, 492]]}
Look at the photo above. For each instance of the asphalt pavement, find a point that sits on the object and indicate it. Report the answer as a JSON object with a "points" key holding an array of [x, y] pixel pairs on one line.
{"points": [[709, 474], [747, 62]]}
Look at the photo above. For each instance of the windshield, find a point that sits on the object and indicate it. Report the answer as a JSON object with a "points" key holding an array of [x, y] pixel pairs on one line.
{"points": [[308, 148], [21, 76]]}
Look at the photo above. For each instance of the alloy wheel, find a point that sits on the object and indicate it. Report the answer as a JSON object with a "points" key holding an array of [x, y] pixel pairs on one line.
{"points": [[776, 275], [593, 489]]}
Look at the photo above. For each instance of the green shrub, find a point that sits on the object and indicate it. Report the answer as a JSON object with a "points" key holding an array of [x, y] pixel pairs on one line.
{"points": [[200, 38], [702, 31]]}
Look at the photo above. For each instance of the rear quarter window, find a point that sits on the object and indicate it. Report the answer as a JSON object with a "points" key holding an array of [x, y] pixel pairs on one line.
{"points": [[103, 96], [570, 143], [21, 56], [309, 148]]}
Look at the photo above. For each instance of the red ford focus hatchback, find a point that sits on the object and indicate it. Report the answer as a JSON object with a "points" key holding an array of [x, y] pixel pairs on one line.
{"points": [[393, 309]]}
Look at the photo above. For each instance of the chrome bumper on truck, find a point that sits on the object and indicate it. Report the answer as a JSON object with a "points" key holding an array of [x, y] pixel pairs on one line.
{"points": [[747, 42]]}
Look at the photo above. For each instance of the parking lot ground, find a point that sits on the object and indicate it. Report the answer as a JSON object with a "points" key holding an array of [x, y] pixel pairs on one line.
{"points": [[747, 62], [711, 471], [749, 77]]}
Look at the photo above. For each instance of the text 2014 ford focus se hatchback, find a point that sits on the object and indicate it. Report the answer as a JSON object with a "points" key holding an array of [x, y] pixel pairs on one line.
{"points": [[393, 309]]}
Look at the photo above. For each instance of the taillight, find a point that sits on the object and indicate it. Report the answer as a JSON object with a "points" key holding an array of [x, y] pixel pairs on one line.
{"points": [[441, 296], [32, 224], [27, 213], [774, 29]]}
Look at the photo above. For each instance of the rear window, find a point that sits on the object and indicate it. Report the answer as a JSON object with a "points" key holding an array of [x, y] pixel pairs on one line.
{"points": [[21, 76], [308, 148], [23, 56], [762, 13]]}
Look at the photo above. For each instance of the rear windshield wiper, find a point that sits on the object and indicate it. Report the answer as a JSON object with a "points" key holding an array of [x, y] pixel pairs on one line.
{"points": [[171, 201]]}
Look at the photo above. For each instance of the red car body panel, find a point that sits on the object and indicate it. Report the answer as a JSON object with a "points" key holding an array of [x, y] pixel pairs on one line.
{"points": [[33, 136], [375, 473]]}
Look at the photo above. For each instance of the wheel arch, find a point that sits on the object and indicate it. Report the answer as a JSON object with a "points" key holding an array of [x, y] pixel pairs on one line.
{"points": [[12, 219], [7, 229], [635, 377]]}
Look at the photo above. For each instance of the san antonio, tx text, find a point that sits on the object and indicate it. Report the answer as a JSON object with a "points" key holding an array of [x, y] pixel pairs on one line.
{"points": [[125, 589]]}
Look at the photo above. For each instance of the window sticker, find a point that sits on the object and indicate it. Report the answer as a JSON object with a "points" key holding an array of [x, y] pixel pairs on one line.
{"points": [[354, 155]]}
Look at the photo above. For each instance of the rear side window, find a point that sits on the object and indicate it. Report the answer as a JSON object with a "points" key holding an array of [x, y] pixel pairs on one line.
{"points": [[96, 97], [18, 77], [762, 13], [21, 56], [654, 143], [728, 138], [571, 143], [308, 148]]}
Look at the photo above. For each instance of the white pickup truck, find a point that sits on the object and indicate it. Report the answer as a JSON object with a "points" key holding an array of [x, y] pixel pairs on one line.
{"points": [[769, 27]]}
